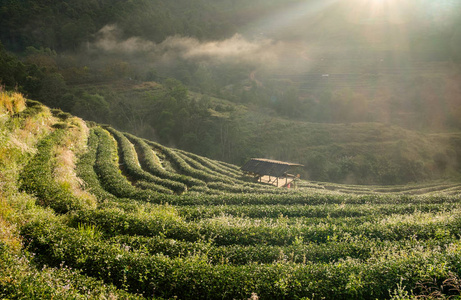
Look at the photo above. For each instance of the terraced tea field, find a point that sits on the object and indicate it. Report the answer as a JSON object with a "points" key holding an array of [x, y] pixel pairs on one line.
{"points": [[107, 214]]}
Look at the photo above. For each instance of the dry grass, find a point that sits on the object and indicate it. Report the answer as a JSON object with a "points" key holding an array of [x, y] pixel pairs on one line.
{"points": [[29, 131], [11, 103], [73, 143], [8, 233]]}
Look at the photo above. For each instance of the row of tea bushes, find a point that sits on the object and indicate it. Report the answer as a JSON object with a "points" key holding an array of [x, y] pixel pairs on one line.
{"points": [[20, 279], [151, 164], [213, 175], [109, 174], [37, 178], [311, 211], [282, 231], [85, 170], [193, 277], [220, 170], [134, 171], [215, 166], [300, 252], [303, 197], [185, 168]]}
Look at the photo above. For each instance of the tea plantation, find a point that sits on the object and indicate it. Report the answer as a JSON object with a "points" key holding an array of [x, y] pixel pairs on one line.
{"points": [[89, 212]]}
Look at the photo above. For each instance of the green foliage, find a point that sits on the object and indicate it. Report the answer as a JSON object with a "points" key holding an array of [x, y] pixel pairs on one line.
{"points": [[66, 26], [91, 107], [192, 276], [223, 239], [19, 279], [110, 175], [227, 230], [183, 165], [151, 163], [134, 171], [63, 116], [85, 169], [37, 178]]}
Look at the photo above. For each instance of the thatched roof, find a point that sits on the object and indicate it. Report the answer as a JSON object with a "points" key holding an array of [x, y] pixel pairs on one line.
{"points": [[261, 166]]}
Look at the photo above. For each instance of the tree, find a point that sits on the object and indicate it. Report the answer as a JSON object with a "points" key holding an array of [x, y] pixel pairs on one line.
{"points": [[92, 107], [53, 87]]}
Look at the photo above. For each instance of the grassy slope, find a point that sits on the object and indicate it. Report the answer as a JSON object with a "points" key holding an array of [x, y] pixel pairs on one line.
{"points": [[21, 131], [195, 245]]}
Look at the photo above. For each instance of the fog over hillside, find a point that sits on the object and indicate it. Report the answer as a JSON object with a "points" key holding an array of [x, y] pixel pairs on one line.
{"points": [[304, 32]]}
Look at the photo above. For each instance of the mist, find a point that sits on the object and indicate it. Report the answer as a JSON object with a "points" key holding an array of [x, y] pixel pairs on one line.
{"points": [[256, 52], [314, 36]]}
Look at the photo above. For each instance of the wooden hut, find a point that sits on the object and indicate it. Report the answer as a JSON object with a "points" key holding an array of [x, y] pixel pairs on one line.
{"points": [[271, 171]]}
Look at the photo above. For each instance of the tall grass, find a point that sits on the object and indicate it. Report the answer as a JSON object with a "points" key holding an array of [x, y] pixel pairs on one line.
{"points": [[8, 234], [11, 103], [19, 276], [73, 143]]}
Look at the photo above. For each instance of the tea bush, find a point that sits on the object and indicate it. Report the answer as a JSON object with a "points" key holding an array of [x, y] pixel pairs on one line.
{"points": [[37, 179], [133, 170], [150, 163]]}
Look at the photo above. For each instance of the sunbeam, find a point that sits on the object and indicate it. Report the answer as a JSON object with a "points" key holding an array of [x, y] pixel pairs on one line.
{"points": [[378, 11], [278, 23]]}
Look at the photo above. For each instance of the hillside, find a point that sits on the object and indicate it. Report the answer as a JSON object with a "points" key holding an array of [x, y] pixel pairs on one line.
{"points": [[123, 126], [360, 92], [358, 153], [89, 212]]}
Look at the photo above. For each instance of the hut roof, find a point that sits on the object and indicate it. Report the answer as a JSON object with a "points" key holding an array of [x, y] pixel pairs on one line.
{"points": [[269, 167]]}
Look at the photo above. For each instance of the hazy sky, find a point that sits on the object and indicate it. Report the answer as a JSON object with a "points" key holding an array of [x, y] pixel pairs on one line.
{"points": [[298, 34]]}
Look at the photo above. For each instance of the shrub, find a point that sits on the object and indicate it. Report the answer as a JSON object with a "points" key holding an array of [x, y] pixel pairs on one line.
{"points": [[133, 170], [12, 103], [110, 175], [149, 162], [37, 179]]}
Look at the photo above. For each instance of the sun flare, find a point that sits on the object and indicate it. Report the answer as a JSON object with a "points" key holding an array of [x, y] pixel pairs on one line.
{"points": [[378, 11]]}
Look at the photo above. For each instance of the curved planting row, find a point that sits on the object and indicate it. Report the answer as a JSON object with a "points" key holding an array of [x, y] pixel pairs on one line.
{"points": [[317, 198], [455, 190], [198, 166], [311, 211], [230, 166], [247, 189], [433, 189], [216, 198], [228, 183], [37, 178], [110, 177], [192, 276], [213, 165], [205, 190], [185, 168], [85, 170], [134, 171], [238, 185], [299, 252], [282, 231], [150, 163], [443, 187]]}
